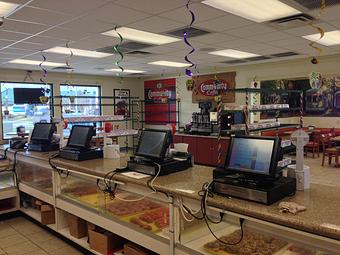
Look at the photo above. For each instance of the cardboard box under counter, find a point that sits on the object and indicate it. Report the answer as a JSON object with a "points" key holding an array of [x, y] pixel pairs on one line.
{"points": [[77, 226], [104, 241], [134, 249], [47, 214]]}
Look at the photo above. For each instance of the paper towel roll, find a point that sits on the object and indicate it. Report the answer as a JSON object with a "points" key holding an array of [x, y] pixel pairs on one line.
{"points": [[111, 151]]}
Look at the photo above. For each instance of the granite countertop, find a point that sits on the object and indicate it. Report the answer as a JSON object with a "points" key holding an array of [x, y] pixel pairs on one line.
{"points": [[322, 201]]}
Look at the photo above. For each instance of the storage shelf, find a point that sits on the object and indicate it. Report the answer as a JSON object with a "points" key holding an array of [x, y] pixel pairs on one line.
{"points": [[36, 215], [80, 241], [34, 192]]}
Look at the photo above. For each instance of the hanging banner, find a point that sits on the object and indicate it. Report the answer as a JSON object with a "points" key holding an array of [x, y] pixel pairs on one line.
{"points": [[210, 85], [160, 101]]}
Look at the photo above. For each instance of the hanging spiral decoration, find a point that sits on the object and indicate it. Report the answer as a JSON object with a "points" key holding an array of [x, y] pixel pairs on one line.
{"points": [[319, 29], [301, 109], [44, 71], [68, 65], [118, 53], [138, 114], [219, 144], [246, 114]]}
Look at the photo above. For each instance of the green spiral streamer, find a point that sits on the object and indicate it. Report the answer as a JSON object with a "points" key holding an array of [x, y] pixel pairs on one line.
{"points": [[118, 53]]}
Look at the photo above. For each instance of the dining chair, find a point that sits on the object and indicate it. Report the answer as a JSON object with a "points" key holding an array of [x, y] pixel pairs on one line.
{"points": [[329, 150]]}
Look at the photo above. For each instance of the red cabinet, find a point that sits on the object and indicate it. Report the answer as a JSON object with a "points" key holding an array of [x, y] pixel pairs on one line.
{"points": [[204, 149]]}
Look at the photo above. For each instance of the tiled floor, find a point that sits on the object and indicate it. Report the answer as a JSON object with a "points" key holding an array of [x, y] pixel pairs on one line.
{"points": [[19, 236]]}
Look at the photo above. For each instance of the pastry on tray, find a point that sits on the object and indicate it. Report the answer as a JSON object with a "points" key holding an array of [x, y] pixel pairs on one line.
{"points": [[253, 243]]}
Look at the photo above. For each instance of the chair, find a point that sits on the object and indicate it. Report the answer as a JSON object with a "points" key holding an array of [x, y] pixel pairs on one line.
{"points": [[313, 146], [328, 150]]}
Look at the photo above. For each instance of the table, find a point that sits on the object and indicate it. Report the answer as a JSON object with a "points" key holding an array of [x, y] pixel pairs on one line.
{"points": [[335, 139]]}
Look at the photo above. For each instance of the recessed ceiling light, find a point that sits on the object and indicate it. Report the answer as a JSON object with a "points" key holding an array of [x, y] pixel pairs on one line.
{"points": [[125, 70], [34, 62], [7, 8], [233, 53], [78, 52], [258, 11], [169, 63], [141, 36], [329, 38]]}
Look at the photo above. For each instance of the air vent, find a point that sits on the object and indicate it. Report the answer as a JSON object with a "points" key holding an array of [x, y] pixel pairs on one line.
{"points": [[191, 32], [257, 58], [236, 61], [126, 47], [284, 54], [63, 68], [292, 21], [138, 52], [315, 4]]}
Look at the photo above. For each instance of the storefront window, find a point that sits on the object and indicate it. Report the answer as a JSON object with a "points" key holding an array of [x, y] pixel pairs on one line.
{"points": [[80, 101], [16, 111]]}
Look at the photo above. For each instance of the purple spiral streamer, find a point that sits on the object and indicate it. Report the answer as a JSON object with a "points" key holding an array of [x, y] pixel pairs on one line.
{"points": [[188, 72], [44, 71], [118, 52]]}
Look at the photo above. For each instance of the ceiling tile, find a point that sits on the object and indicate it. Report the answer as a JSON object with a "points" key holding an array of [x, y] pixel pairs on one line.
{"points": [[41, 16], [250, 30], [67, 34], [160, 49], [330, 13], [17, 51], [151, 6], [156, 25], [268, 37], [4, 43], [95, 42], [117, 15], [73, 7], [290, 42], [306, 30], [234, 43], [88, 24], [22, 27], [201, 11], [29, 46], [225, 22], [213, 38], [10, 55], [47, 42], [8, 35]]}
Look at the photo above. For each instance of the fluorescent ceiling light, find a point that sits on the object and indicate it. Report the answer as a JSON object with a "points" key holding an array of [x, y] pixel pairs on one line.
{"points": [[35, 62], [255, 10], [78, 52], [168, 63], [7, 8], [125, 70], [330, 38], [141, 36], [233, 53]]}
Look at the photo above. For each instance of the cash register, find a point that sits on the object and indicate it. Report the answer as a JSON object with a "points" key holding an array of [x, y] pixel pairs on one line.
{"points": [[150, 156], [78, 145], [41, 138], [251, 171]]}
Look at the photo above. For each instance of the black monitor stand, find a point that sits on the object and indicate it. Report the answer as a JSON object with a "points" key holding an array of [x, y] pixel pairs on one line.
{"points": [[159, 166], [41, 147]]}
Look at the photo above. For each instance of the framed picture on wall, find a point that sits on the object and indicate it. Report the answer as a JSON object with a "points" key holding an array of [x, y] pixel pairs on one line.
{"points": [[121, 102]]}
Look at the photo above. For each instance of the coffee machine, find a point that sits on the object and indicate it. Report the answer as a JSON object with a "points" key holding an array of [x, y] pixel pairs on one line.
{"points": [[201, 120]]}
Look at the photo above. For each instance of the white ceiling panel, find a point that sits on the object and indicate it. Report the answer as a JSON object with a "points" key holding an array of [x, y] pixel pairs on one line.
{"points": [[151, 6], [29, 46], [23, 27], [72, 7], [4, 43], [268, 37], [234, 43], [67, 34], [118, 15], [40, 16], [88, 24], [250, 30], [330, 13], [225, 22], [290, 42], [156, 24], [17, 51], [182, 46], [306, 30], [9, 35], [213, 38], [47, 42], [202, 13], [95, 42], [10, 55]]}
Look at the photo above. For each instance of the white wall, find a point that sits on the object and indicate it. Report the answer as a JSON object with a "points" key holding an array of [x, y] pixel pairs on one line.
{"points": [[299, 68], [107, 84]]}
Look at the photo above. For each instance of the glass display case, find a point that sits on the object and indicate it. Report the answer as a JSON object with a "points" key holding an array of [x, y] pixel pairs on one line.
{"points": [[254, 237], [7, 180], [36, 176]]}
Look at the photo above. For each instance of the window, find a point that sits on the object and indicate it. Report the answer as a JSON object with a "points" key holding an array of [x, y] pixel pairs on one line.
{"points": [[77, 106], [16, 113]]}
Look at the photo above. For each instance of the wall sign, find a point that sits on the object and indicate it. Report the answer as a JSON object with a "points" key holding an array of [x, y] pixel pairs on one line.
{"points": [[122, 102], [209, 86], [160, 101]]}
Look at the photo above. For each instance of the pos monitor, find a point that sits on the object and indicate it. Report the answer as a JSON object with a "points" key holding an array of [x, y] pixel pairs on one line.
{"points": [[80, 137], [253, 155], [42, 132], [153, 143]]}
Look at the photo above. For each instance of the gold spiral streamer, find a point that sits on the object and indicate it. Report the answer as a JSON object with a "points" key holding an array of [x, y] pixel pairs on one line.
{"points": [[319, 29]]}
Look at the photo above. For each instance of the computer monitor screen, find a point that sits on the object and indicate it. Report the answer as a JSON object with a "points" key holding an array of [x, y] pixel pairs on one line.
{"points": [[42, 132], [27, 95], [153, 143], [80, 136], [253, 155]]}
